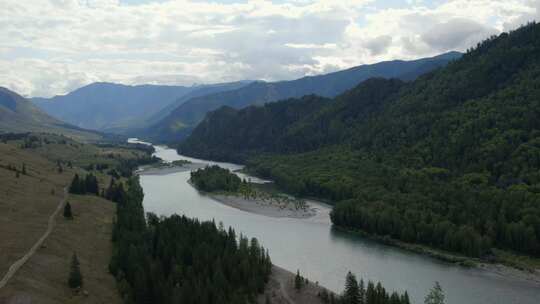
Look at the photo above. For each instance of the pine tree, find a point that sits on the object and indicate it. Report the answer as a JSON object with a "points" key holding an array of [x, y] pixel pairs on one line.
{"points": [[351, 295], [75, 279], [435, 295], [75, 186], [298, 281], [362, 292], [67, 211], [405, 298]]}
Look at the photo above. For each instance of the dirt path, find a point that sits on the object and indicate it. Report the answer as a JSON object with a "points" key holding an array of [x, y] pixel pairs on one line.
{"points": [[284, 293], [50, 225]]}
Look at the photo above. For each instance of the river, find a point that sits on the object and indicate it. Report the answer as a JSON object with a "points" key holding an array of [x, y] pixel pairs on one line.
{"points": [[325, 255]]}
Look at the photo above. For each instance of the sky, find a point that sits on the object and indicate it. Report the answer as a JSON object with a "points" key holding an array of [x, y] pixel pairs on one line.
{"points": [[51, 47]]}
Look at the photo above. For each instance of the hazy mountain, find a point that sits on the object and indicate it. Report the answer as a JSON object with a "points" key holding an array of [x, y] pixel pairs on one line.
{"points": [[18, 114], [196, 92], [118, 108], [180, 122], [102, 106]]}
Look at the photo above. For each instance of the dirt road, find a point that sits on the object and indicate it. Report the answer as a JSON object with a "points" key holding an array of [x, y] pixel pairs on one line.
{"points": [[50, 226]]}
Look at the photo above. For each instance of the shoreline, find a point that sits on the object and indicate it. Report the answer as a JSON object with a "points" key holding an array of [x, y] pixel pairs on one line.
{"points": [[270, 208], [263, 207], [506, 269], [167, 169], [496, 267]]}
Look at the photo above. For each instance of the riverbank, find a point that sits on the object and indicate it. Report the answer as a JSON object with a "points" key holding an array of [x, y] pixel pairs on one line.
{"points": [[168, 168], [267, 207], [506, 267]]}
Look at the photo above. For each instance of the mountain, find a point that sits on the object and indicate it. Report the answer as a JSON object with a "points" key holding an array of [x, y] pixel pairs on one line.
{"points": [[102, 106], [180, 122], [196, 92], [450, 160], [18, 114]]}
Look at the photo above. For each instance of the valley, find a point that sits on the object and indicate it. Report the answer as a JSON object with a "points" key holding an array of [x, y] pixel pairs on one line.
{"points": [[270, 152], [307, 243]]}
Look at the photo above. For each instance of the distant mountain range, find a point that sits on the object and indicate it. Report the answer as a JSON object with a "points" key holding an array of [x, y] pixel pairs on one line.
{"points": [[18, 114], [115, 107], [181, 121]]}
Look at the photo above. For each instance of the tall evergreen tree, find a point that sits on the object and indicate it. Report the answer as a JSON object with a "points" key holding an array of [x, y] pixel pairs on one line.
{"points": [[67, 211], [75, 279], [351, 295], [435, 295], [298, 281], [75, 186]]}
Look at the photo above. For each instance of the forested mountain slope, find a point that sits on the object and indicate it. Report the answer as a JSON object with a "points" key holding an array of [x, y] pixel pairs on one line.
{"points": [[451, 160], [18, 114], [183, 119]]}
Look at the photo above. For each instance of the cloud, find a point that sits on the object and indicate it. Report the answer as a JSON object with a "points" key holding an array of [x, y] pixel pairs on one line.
{"points": [[51, 47], [456, 34], [379, 44]]}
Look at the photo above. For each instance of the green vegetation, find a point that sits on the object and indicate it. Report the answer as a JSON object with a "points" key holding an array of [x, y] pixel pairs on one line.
{"points": [[177, 259], [181, 121], [451, 160], [435, 296], [75, 279], [215, 178], [67, 211], [358, 293], [87, 185]]}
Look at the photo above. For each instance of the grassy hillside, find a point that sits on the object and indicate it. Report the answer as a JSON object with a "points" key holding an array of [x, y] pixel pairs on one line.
{"points": [[179, 124], [451, 160], [28, 199], [18, 114]]}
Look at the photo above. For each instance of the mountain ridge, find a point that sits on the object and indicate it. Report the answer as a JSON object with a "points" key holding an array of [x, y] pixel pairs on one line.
{"points": [[18, 114], [450, 160], [179, 123], [118, 108]]}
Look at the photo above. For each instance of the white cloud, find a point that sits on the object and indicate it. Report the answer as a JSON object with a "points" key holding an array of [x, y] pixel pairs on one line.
{"points": [[51, 47]]}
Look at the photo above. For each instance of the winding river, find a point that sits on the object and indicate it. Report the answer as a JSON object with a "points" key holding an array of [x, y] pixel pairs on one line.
{"points": [[325, 255]]}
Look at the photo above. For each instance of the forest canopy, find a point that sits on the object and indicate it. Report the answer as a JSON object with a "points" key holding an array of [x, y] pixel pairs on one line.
{"points": [[450, 160]]}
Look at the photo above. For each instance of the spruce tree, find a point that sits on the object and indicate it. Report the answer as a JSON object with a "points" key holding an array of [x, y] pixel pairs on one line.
{"points": [[67, 211], [75, 186], [298, 281], [362, 292], [351, 295], [75, 279], [435, 295]]}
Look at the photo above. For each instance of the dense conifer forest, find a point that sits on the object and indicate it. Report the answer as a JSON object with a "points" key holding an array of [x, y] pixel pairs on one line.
{"points": [[182, 260], [215, 178], [451, 160]]}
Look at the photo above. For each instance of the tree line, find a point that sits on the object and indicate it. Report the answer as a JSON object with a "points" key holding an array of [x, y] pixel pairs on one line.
{"points": [[450, 160], [84, 185], [215, 178], [178, 259]]}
